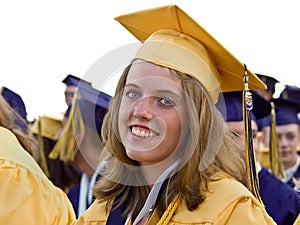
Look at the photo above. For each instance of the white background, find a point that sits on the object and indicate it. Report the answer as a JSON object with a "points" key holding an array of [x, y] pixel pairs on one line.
{"points": [[43, 41]]}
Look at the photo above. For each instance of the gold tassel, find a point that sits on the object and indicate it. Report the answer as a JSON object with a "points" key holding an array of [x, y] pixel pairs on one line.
{"points": [[44, 165], [250, 154], [71, 137], [276, 164]]}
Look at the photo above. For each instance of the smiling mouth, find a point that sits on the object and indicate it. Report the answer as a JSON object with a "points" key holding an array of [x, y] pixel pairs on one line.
{"points": [[142, 132]]}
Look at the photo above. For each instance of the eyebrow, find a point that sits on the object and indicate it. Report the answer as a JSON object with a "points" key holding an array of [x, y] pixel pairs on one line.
{"points": [[132, 85]]}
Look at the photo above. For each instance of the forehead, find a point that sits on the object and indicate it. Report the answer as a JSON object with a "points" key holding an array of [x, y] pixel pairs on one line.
{"points": [[71, 88], [288, 128], [152, 73]]}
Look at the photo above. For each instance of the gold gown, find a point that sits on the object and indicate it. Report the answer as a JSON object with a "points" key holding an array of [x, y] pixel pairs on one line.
{"points": [[27, 195], [228, 202]]}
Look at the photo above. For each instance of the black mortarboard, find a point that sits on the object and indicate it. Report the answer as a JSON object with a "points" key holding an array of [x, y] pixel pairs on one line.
{"points": [[269, 81], [71, 80], [230, 106]]}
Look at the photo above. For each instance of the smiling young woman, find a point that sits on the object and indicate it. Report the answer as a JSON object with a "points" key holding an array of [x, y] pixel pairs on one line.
{"points": [[170, 158]]}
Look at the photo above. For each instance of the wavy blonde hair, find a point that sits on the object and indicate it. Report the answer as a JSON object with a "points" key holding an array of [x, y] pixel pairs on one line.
{"points": [[206, 129]]}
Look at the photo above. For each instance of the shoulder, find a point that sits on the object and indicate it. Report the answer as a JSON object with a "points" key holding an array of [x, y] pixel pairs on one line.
{"points": [[11, 150], [95, 214], [21, 176], [227, 200]]}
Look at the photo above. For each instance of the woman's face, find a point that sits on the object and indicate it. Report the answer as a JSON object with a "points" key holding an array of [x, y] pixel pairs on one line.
{"points": [[151, 113], [288, 141]]}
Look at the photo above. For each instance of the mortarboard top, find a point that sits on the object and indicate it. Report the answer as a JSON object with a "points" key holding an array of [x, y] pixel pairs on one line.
{"points": [[291, 93], [269, 81], [71, 80], [287, 112], [171, 38], [230, 106]]}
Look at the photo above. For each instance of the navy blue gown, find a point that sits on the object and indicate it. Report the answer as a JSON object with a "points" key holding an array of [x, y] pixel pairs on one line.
{"points": [[281, 201]]}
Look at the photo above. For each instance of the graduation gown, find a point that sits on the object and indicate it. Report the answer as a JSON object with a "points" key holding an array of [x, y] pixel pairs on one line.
{"points": [[228, 202], [73, 195], [27, 196], [281, 201], [296, 176]]}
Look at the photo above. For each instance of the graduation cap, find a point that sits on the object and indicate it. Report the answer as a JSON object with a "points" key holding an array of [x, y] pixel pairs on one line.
{"points": [[71, 80], [231, 108], [49, 126], [17, 104], [269, 81], [287, 112], [291, 93], [92, 102], [86, 112], [171, 38]]}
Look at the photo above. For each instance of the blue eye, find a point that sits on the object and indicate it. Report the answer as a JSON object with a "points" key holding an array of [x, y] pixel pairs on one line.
{"points": [[167, 101], [133, 94]]}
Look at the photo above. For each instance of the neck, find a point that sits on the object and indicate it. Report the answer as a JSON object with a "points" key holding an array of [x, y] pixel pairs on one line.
{"points": [[290, 164], [152, 172]]}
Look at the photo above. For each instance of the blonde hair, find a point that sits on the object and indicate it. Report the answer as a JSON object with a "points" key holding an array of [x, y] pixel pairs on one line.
{"points": [[7, 118], [206, 129]]}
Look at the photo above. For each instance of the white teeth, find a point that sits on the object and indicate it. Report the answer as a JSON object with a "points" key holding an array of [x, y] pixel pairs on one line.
{"points": [[141, 133]]}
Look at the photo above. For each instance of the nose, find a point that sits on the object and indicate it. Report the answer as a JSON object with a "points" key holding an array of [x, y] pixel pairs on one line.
{"points": [[143, 109]]}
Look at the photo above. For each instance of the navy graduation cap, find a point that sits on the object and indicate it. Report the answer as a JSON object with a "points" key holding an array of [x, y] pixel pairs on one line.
{"points": [[230, 106], [291, 93], [71, 80], [93, 102], [287, 112], [16, 102], [269, 81]]}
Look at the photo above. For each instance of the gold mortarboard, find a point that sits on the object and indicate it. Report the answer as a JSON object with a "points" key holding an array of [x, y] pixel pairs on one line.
{"points": [[49, 126], [173, 39]]}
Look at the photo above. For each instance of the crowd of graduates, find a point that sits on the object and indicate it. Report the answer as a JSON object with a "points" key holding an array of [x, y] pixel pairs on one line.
{"points": [[49, 167]]}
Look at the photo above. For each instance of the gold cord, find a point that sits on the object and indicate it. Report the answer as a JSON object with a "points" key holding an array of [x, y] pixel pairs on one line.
{"points": [[169, 211]]}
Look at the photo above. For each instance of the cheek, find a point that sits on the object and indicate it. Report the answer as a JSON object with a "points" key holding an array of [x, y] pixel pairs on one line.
{"points": [[175, 126], [124, 111], [256, 145], [174, 123], [295, 143]]}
